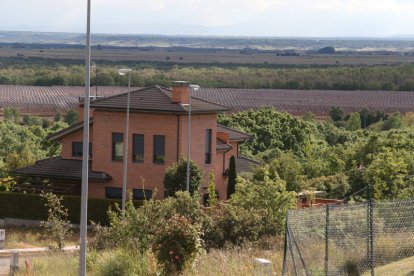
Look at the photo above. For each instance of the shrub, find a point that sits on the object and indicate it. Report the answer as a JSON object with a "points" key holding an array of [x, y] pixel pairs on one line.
{"points": [[177, 244], [176, 176], [212, 195], [57, 223], [33, 208], [120, 263]]}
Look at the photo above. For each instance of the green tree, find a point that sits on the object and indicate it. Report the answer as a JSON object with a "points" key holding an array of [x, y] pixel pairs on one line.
{"points": [[231, 182], [176, 175], [269, 196], [212, 195], [57, 223], [354, 121], [11, 114], [336, 113], [71, 117]]}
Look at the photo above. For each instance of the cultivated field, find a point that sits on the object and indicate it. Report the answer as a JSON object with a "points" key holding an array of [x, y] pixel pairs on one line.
{"points": [[214, 57]]}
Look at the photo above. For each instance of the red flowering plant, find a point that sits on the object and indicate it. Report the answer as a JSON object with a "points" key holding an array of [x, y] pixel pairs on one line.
{"points": [[177, 244]]}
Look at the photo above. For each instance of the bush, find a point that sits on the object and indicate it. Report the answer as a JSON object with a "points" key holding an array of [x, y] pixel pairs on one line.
{"points": [[176, 176], [120, 263], [177, 244]]}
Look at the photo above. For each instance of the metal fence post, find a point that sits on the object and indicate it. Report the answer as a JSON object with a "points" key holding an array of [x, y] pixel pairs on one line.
{"points": [[285, 245], [370, 222], [327, 241]]}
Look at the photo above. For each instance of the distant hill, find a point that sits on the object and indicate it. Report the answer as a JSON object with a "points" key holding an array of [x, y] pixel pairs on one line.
{"points": [[215, 42]]}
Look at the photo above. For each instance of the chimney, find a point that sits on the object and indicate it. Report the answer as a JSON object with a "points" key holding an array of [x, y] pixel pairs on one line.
{"points": [[181, 92]]}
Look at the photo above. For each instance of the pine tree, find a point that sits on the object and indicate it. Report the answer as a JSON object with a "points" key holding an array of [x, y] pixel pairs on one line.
{"points": [[231, 184]]}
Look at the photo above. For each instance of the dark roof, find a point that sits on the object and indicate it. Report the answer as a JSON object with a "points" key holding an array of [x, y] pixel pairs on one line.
{"points": [[234, 135], [155, 99], [222, 146], [58, 168], [244, 164]]}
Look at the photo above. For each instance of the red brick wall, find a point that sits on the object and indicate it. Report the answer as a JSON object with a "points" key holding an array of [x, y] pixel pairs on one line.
{"points": [[105, 123], [74, 137]]}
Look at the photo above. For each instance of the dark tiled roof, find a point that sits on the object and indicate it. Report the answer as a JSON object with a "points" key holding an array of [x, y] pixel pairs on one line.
{"points": [[155, 99], [222, 146], [234, 135], [244, 164], [58, 168]]}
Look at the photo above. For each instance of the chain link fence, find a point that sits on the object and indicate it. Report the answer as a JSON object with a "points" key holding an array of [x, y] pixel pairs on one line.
{"points": [[372, 238]]}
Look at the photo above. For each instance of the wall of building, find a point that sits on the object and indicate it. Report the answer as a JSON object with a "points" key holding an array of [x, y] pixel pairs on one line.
{"points": [[147, 174], [74, 137]]}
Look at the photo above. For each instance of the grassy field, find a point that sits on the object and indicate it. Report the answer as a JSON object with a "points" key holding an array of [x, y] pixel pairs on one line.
{"points": [[216, 262], [404, 267], [218, 57]]}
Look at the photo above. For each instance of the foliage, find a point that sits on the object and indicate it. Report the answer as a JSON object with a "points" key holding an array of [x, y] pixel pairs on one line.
{"points": [[271, 131], [268, 195], [354, 121], [11, 114], [336, 113], [120, 262], [231, 181], [309, 117], [177, 244], [335, 186], [71, 73], [212, 195], [34, 207], [57, 223], [176, 175], [71, 117]]}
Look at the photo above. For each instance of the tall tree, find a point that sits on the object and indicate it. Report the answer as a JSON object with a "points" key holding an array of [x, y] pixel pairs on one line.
{"points": [[231, 184]]}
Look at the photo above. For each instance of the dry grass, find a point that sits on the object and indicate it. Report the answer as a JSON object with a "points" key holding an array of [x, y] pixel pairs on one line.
{"points": [[235, 262], [25, 237], [403, 267]]}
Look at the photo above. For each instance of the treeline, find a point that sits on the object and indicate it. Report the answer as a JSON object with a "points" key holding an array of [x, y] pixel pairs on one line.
{"points": [[337, 157], [390, 78]]}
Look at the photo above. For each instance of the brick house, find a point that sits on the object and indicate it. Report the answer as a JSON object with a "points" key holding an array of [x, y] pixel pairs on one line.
{"points": [[158, 137]]}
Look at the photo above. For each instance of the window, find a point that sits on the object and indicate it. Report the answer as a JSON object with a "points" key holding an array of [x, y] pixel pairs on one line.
{"points": [[117, 146], [159, 149], [138, 148], [208, 147], [77, 149], [141, 194], [113, 192]]}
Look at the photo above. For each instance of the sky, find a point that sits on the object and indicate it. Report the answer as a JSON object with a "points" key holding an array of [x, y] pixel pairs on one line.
{"points": [[283, 18]]}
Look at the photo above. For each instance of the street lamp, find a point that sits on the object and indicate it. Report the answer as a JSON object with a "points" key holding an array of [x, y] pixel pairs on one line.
{"points": [[124, 72], [193, 87], [85, 148]]}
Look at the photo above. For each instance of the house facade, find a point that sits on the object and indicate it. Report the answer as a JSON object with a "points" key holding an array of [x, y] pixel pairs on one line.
{"points": [[158, 136]]}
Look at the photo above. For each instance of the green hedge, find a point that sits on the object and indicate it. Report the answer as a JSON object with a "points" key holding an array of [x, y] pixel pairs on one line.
{"points": [[32, 206]]}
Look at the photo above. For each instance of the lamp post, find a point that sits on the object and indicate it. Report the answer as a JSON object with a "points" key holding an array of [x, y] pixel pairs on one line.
{"points": [[193, 87], [123, 72], [85, 148]]}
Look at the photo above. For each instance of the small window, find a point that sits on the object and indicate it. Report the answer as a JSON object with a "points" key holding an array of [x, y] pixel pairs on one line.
{"points": [[159, 149], [113, 192], [77, 149], [138, 148], [141, 194], [207, 159], [117, 146]]}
